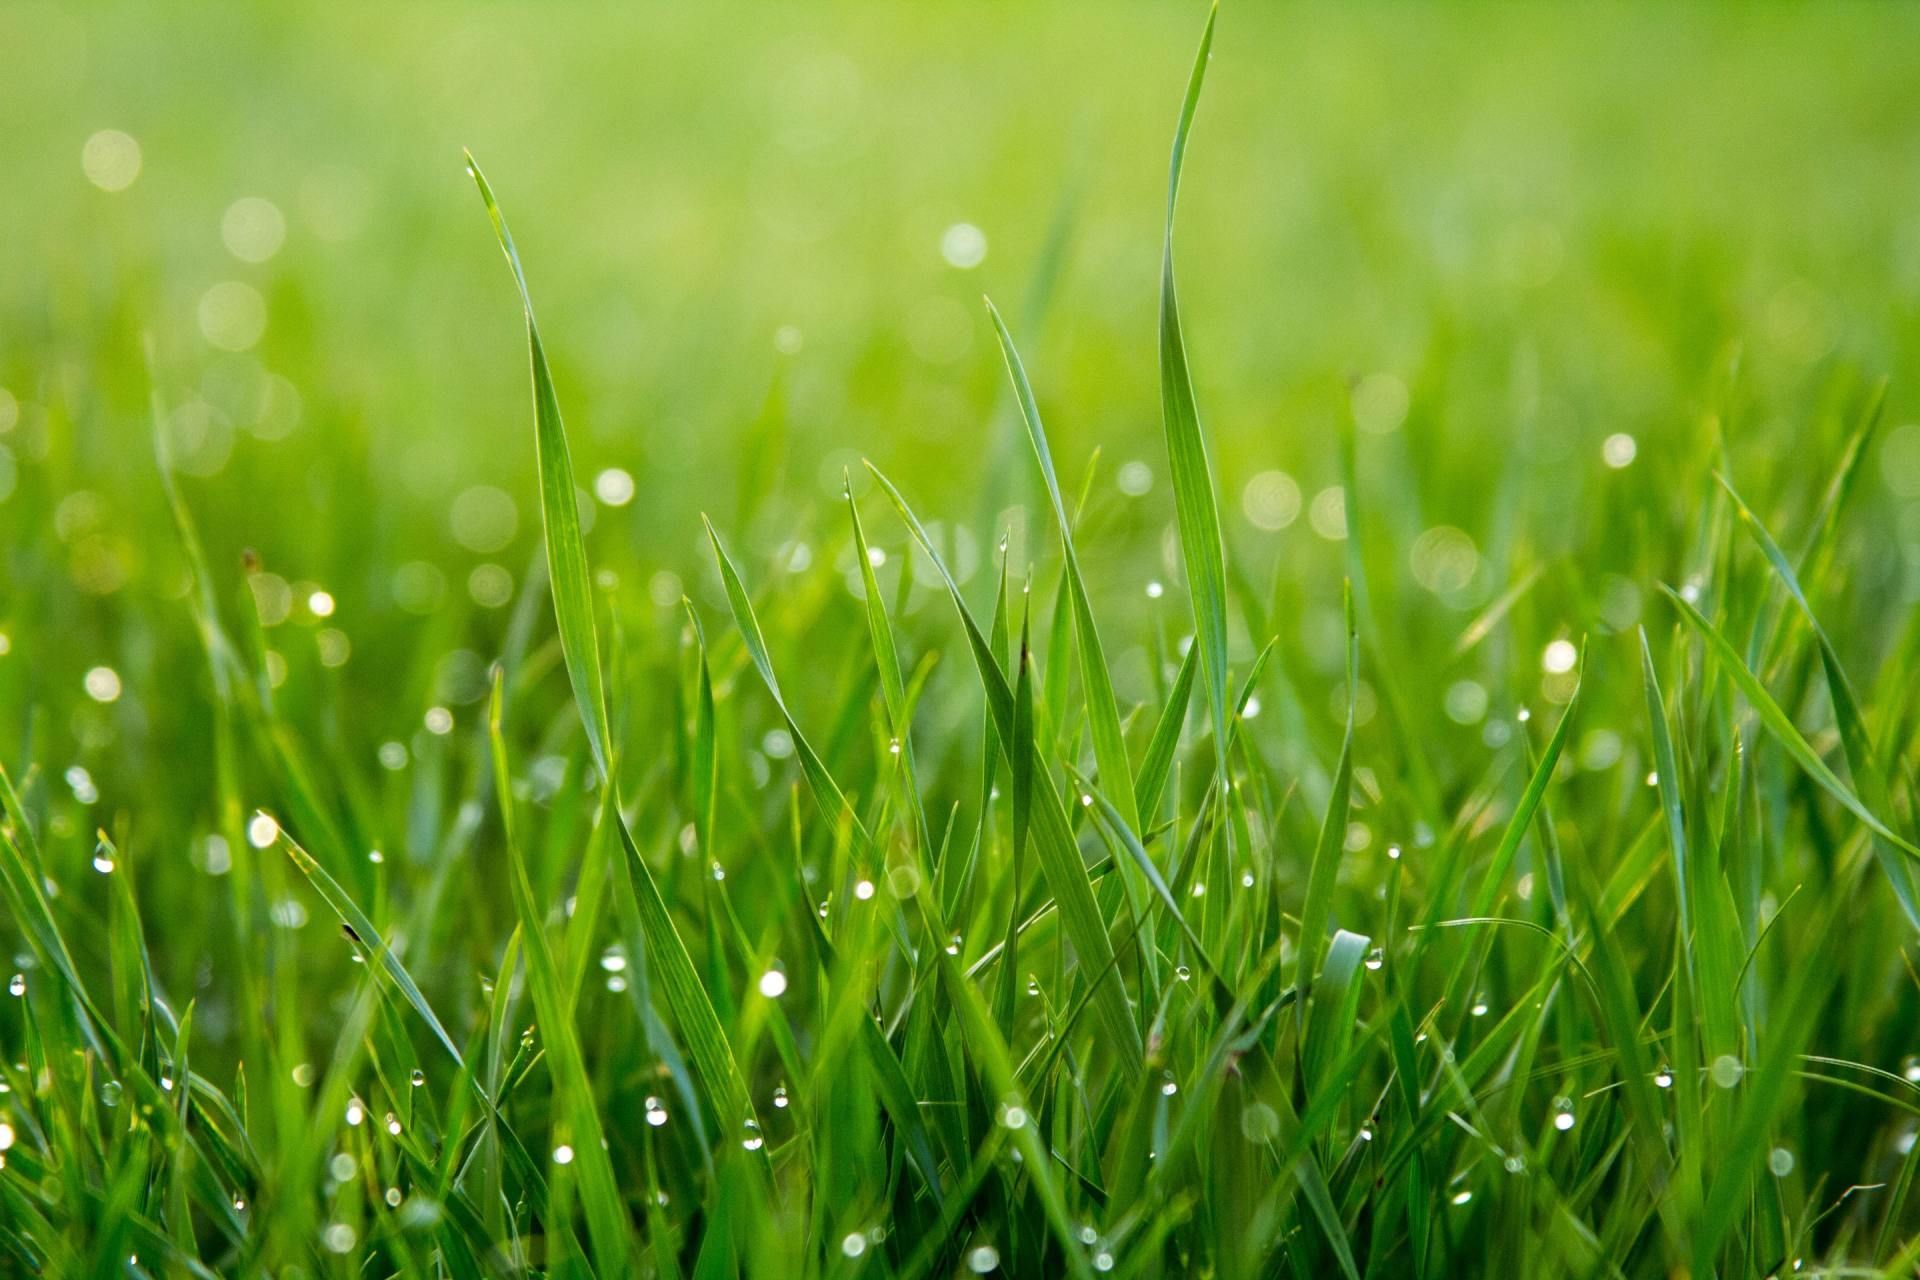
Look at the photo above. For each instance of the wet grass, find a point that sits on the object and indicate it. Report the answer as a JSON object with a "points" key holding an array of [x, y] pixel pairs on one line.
{"points": [[1530, 901]]}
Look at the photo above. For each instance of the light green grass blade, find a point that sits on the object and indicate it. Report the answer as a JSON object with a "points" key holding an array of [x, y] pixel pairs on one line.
{"points": [[671, 965], [1103, 714], [1202, 547], [567, 572]]}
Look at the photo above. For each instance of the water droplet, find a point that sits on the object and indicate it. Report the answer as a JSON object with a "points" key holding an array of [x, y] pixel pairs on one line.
{"points": [[1563, 1114], [1168, 1085], [893, 748], [239, 1203], [1911, 1069], [1461, 1197], [750, 1135], [1479, 1009], [1246, 879], [773, 984], [110, 1093], [853, 1244], [656, 1113], [262, 830], [1013, 1116], [863, 889], [393, 1197], [563, 1154], [1259, 1123], [17, 985], [356, 1111], [1033, 985], [982, 1259], [1366, 1134], [1199, 890], [1376, 958], [1087, 1234], [393, 1124], [1663, 1078], [1103, 1261], [1780, 1162], [1726, 1071], [719, 872], [1183, 973], [953, 945], [780, 1097], [1515, 1164]]}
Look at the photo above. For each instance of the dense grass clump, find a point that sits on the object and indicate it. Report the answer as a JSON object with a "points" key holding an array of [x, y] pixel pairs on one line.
{"points": [[898, 907]]}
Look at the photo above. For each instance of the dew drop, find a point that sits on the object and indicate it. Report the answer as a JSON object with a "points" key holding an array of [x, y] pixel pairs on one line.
{"points": [[656, 1113], [780, 1097], [17, 985], [750, 1135], [1183, 973], [1376, 958], [1168, 1085]]}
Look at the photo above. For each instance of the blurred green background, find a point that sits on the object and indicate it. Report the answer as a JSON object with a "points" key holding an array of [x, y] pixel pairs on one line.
{"points": [[1497, 236]]}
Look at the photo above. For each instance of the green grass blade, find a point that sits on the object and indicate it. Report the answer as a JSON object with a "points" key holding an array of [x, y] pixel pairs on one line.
{"points": [[1780, 725], [1103, 713], [1197, 511], [1059, 855]]}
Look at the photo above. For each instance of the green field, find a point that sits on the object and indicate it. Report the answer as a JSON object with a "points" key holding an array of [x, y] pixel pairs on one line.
{"points": [[1397, 758]]}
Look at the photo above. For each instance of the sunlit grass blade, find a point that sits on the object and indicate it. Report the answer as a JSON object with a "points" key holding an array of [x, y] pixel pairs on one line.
{"points": [[1196, 510]]}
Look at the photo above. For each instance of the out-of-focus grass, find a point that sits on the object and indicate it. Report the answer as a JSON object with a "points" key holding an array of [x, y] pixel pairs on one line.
{"points": [[1490, 314]]}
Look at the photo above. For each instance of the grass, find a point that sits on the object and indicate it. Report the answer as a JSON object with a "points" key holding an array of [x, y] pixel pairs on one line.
{"points": [[1368, 895]]}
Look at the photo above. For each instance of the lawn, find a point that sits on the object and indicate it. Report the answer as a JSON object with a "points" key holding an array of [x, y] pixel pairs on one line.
{"points": [[700, 747]]}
